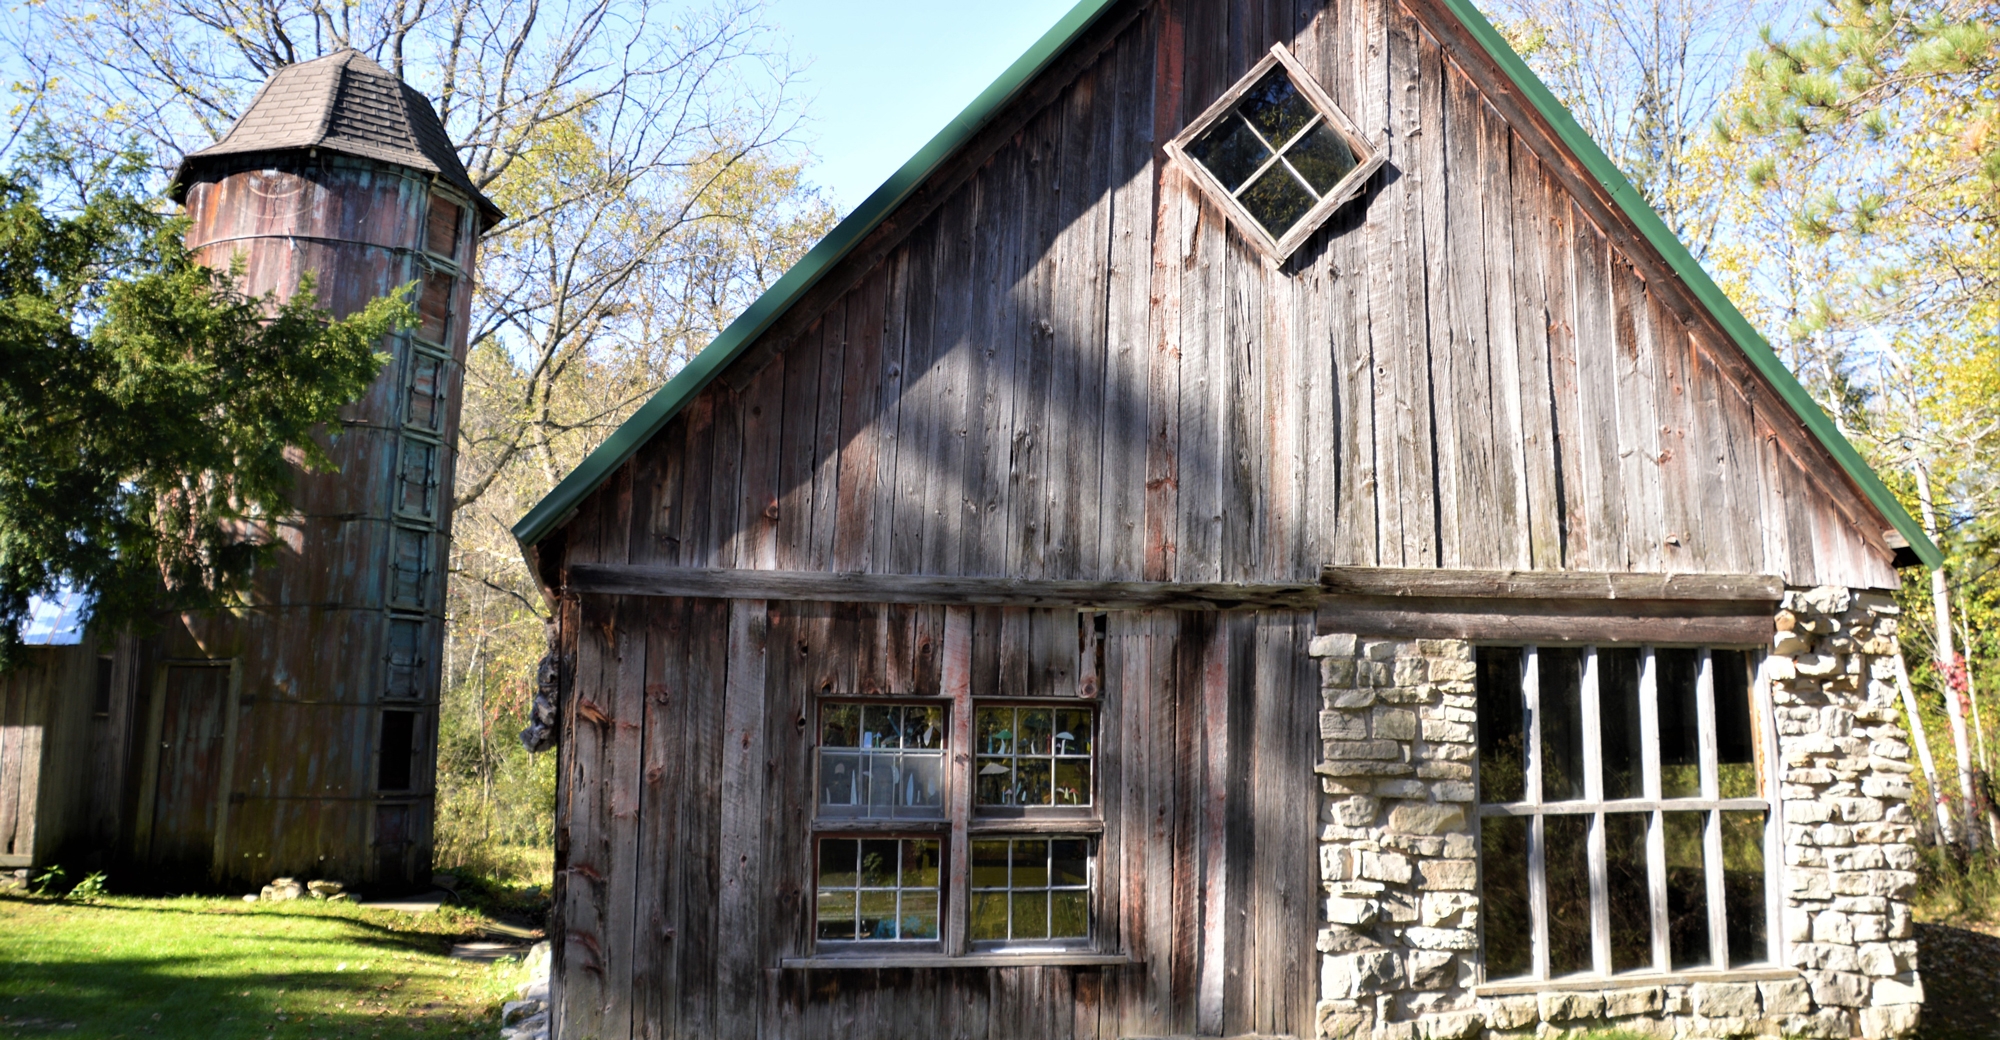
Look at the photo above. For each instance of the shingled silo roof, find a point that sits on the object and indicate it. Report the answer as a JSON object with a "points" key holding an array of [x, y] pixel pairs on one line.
{"points": [[347, 104]]}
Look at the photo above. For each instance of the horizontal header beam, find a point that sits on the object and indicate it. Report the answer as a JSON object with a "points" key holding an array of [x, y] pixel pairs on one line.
{"points": [[622, 580], [1400, 581]]}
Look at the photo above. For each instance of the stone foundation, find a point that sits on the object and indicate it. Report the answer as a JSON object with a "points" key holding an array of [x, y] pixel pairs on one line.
{"points": [[1399, 942]]}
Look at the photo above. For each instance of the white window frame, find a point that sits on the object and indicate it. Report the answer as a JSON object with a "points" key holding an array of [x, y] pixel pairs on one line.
{"points": [[1594, 804]]}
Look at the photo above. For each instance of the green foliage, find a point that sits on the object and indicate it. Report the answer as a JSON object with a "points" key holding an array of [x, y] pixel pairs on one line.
{"points": [[91, 887], [49, 881], [1957, 889], [151, 413]]}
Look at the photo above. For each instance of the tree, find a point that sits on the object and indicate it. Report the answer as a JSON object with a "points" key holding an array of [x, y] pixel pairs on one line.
{"points": [[149, 411]]}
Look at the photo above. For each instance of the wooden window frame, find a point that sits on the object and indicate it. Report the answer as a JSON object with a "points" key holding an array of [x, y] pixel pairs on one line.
{"points": [[1368, 158], [837, 818], [962, 823], [1531, 806]]}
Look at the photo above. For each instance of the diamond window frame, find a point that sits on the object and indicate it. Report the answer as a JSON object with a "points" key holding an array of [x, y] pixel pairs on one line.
{"points": [[1367, 157]]}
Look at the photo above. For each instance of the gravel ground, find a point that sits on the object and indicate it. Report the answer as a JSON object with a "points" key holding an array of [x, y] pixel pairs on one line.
{"points": [[1961, 972]]}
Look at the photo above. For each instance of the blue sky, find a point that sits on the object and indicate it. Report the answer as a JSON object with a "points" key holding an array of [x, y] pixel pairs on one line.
{"points": [[884, 76]]}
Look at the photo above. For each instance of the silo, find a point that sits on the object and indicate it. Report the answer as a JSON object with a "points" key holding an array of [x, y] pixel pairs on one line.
{"points": [[297, 737]]}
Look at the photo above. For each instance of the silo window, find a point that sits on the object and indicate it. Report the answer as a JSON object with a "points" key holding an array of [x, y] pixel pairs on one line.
{"points": [[409, 569], [434, 308], [416, 477], [396, 768], [426, 403], [406, 658], [441, 236]]}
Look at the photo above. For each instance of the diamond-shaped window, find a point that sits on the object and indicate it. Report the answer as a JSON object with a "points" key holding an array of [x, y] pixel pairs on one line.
{"points": [[1277, 154]]}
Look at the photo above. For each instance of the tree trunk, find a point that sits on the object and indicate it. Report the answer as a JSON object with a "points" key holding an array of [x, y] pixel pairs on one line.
{"points": [[1923, 741], [1946, 658], [1985, 772]]}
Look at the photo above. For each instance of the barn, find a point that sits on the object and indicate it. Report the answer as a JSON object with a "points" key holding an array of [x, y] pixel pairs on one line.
{"points": [[1256, 530]]}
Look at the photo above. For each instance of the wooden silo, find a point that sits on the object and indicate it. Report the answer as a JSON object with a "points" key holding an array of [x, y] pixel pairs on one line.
{"points": [[297, 736]]}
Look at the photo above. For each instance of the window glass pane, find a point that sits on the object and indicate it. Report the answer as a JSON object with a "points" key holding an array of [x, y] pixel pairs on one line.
{"points": [[923, 782], [920, 864], [1073, 732], [839, 778], [1618, 723], [923, 726], [1069, 861], [1627, 890], [836, 914], [1276, 108], [993, 731], [877, 889], [1277, 200], [1032, 783], [920, 916], [1561, 674], [1037, 732], [1230, 150], [1509, 933], [1676, 671], [840, 725], [1503, 752], [1322, 157], [1030, 888], [1072, 781], [837, 862], [1031, 863], [1687, 889], [1069, 915], [878, 862], [989, 864], [1032, 756], [996, 781], [1743, 887], [989, 916], [878, 914], [1735, 737], [1031, 915], [1566, 852], [861, 770], [881, 726]]}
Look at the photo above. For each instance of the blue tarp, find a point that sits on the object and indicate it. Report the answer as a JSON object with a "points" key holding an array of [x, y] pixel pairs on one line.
{"points": [[55, 621]]}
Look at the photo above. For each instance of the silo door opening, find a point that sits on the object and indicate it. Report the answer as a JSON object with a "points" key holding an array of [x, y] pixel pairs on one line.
{"points": [[188, 781]]}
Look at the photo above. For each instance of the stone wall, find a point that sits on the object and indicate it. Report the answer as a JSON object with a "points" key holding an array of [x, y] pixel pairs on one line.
{"points": [[1399, 941]]}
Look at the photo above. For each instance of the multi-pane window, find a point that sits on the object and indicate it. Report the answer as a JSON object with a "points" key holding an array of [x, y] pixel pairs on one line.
{"points": [[1033, 755], [1031, 888], [1625, 814], [883, 889], [1023, 876], [1277, 153], [881, 760]]}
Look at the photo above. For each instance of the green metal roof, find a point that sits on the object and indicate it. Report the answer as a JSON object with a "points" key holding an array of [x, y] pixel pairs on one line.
{"points": [[552, 511]]}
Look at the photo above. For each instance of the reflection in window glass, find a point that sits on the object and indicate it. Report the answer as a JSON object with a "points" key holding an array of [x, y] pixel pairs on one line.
{"points": [[1503, 746], [882, 760], [1627, 891], [1274, 153], [1561, 674], [1687, 889], [1030, 756], [1566, 856], [1618, 723], [1743, 887], [1677, 672], [878, 889], [1510, 929], [1030, 888], [1735, 738]]}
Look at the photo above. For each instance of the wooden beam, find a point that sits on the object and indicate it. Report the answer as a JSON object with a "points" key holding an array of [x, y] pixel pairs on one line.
{"points": [[1565, 621], [624, 580], [1579, 585]]}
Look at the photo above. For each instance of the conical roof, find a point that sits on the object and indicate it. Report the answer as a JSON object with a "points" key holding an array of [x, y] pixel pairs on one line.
{"points": [[347, 104]]}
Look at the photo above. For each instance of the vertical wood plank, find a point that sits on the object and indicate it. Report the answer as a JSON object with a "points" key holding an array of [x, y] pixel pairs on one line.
{"points": [[741, 905]]}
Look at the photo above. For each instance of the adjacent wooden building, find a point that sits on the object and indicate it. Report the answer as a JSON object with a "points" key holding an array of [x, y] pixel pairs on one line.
{"points": [[1256, 530], [296, 737]]}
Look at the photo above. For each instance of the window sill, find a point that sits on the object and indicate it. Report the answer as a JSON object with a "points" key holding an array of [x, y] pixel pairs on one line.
{"points": [[1051, 959], [1518, 987]]}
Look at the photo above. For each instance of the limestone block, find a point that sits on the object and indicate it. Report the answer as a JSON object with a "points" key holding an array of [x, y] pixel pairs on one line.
{"points": [[1441, 938], [1817, 666], [1861, 905], [1343, 787], [1444, 771], [1372, 673], [1430, 969], [1350, 911], [1790, 997], [1839, 988], [1358, 974], [1781, 669], [1643, 1000], [1383, 866], [1448, 732], [1394, 1031], [1453, 671], [1380, 649], [1459, 846], [1807, 812], [1904, 989], [1412, 671], [1349, 699], [1808, 884], [1724, 1027], [1510, 1012], [1861, 857], [1361, 767], [1824, 1024], [1339, 939], [1349, 750], [1888, 787], [1395, 724], [1454, 791], [1451, 752], [1899, 921], [1896, 1020], [1406, 694], [1827, 599], [1798, 924], [1336, 673], [1450, 1026], [1870, 927], [1336, 644], [1449, 649], [1725, 999], [1401, 789], [1832, 835], [1884, 959], [1342, 725], [1450, 875], [1567, 1007], [1791, 642], [1415, 844], [1336, 1021], [1826, 957], [1356, 812], [1426, 819], [1675, 1000], [1450, 908]]}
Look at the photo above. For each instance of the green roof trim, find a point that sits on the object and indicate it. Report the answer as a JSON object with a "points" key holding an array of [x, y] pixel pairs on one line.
{"points": [[553, 510], [1683, 263]]}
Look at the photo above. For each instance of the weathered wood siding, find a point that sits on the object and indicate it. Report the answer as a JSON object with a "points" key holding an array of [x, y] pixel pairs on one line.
{"points": [[1072, 368], [44, 753], [685, 821]]}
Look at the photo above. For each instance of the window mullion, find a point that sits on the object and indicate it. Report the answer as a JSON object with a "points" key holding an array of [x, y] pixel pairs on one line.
{"points": [[1538, 892], [1656, 836], [1718, 931], [1774, 824], [1593, 788], [959, 784]]}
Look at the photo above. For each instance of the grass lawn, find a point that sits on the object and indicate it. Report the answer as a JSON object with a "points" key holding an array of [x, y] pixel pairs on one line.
{"points": [[221, 969]]}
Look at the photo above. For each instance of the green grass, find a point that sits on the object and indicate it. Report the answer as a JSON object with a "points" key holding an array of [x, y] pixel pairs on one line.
{"points": [[119, 968]]}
